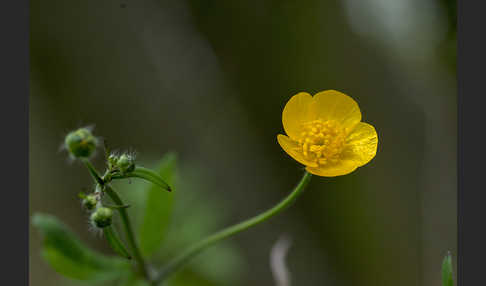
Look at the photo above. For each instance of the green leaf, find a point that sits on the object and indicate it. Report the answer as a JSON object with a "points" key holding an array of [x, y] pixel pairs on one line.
{"points": [[158, 207], [146, 174], [223, 263], [115, 242], [220, 263], [131, 279], [70, 257], [447, 271]]}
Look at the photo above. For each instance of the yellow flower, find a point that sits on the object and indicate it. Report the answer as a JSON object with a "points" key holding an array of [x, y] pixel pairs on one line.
{"points": [[325, 133]]}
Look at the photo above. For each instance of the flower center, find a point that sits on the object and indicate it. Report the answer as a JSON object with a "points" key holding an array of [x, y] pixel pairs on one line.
{"points": [[322, 141]]}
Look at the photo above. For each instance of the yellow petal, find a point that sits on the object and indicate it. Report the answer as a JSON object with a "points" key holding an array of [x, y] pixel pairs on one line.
{"points": [[290, 146], [340, 168], [361, 144], [297, 111], [335, 105]]}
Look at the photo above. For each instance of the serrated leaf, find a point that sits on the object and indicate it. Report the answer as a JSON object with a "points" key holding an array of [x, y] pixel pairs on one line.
{"points": [[447, 279], [70, 257], [158, 207]]}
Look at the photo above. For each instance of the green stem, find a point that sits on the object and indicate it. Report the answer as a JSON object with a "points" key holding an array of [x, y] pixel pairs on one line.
{"points": [[185, 256], [96, 177], [115, 242], [124, 217], [129, 231]]}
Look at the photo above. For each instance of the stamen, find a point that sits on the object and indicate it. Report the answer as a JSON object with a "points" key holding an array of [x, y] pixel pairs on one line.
{"points": [[322, 141]]}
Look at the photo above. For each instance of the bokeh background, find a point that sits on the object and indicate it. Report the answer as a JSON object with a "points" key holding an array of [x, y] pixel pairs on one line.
{"points": [[209, 79]]}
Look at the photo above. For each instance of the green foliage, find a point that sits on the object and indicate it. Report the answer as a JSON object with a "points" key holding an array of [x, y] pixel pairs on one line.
{"points": [[165, 227], [133, 280], [221, 264], [115, 243], [146, 174], [447, 279], [180, 218], [158, 207], [189, 278], [68, 256], [195, 215]]}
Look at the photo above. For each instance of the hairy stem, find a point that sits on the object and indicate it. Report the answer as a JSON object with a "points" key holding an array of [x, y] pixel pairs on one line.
{"points": [[94, 174], [124, 218], [128, 231], [176, 263]]}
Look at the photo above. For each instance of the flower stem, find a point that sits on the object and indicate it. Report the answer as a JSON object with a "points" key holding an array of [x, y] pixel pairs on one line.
{"points": [[94, 174], [115, 242], [129, 231], [124, 218], [190, 252]]}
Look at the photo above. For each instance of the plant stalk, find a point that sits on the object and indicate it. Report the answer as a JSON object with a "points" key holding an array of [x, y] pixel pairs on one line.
{"points": [[129, 232], [179, 261], [124, 218]]}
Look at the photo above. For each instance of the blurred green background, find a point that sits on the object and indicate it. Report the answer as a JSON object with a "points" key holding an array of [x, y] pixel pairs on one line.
{"points": [[209, 79]]}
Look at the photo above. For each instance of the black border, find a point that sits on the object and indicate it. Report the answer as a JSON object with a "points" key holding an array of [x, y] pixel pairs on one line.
{"points": [[460, 141], [471, 62], [460, 163], [14, 210]]}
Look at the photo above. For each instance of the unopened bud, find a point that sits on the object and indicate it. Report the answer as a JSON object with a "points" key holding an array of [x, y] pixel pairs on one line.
{"points": [[90, 201], [126, 163], [102, 217], [112, 159], [81, 143]]}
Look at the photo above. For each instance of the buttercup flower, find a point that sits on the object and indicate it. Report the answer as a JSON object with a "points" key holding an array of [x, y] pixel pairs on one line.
{"points": [[325, 133]]}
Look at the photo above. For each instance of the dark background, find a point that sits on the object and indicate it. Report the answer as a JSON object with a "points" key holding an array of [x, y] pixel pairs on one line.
{"points": [[209, 79]]}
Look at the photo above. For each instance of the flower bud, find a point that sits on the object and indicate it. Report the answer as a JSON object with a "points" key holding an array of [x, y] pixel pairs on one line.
{"points": [[112, 159], [102, 217], [90, 201], [126, 163], [81, 143]]}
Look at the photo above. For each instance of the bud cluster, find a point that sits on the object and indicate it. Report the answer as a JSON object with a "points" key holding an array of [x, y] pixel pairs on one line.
{"points": [[124, 163], [82, 144], [101, 216]]}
